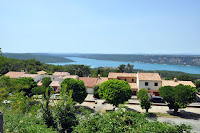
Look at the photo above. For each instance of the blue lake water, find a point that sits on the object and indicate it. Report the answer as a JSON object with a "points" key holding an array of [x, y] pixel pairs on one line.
{"points": [[145, 66]]}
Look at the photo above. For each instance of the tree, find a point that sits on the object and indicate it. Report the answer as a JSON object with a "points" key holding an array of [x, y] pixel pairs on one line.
{"points": [[47, 112], [65, 113], [185, 78], [32, 72], [129, 68], [3, 65], [145, 103], [96, 92], [26, 84], [0, 52], [178, 97], [46, 82], [115, 91], [77, 86], [198, 85], [38, 90], [122, 68], [126, 68]]}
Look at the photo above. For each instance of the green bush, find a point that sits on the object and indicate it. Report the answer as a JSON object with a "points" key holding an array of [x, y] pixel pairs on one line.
{"points": [[24, 123], [178, 97], [38, 90], [78, 89], [198, 89], [95, 92], [115, 91], [125, 121], [145, 102]]}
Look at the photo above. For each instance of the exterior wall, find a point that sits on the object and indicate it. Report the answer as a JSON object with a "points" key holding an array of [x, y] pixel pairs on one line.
{"points": [[89, 90], [150, 85], [138, 85], [128, 79]]}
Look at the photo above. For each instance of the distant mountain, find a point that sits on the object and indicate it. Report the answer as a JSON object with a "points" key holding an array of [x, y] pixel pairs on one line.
{"points": [[42, 57]]}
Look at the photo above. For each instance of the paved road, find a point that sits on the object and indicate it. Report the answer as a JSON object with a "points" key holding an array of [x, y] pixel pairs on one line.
{"points": [[194, 123]]}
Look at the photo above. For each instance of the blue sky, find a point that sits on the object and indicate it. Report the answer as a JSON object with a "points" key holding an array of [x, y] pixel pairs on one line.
{"points": [[100, 26]]}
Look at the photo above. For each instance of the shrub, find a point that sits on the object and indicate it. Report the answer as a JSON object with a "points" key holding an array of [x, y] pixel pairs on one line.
{"points": [[78, 89], [125, 121], [145, 103], [38, 90], [115, 91], [178, 97], [95, 91]]}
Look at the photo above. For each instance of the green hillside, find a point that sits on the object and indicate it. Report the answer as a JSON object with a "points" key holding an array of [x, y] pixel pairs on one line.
{"points": [[45, 58], [193, 60]]}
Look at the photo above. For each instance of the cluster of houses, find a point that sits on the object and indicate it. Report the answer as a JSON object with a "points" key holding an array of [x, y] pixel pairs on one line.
{"points": [[150, 81]]}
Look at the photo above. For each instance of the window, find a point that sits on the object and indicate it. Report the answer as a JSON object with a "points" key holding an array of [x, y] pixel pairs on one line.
{"points": [[155, 84], [124, 79], [146, 83], [132, 80]]}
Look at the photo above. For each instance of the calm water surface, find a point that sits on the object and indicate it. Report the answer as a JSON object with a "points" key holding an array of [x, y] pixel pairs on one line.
{"points": [[145, 66]]}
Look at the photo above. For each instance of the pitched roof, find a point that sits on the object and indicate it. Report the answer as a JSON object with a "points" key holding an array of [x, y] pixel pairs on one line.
{"points": [[60, 73], [149, 76], [89, 82], [12, 74], [173, 83], [55, 83], [69, 76], [101, 80], [133, 85], [29, 75], [41, 72], [113, 75], [39, 83]]}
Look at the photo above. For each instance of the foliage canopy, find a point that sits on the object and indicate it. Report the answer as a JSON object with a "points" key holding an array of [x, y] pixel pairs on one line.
{"points": [[115, 91], [178, 97], [78, 89], [145, 103]]}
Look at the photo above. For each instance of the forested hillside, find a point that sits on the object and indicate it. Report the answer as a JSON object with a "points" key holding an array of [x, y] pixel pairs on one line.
{"points": [[157, 59], [45, 58], [32, 66]]}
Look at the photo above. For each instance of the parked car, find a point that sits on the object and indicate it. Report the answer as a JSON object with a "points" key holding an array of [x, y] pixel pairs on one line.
{"points": [[157, 99]]}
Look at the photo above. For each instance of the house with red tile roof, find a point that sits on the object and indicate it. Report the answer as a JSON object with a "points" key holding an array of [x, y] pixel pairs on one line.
{"points": [[12, 74], [60, 74], [150, 81], [89, 83], [175, 82], [41, 72], [131, 78]]}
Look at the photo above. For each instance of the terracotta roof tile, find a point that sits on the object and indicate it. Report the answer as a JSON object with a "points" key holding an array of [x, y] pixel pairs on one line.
{"points": [[149, 76], [39, 83], [113, 75], [61, 73], [101, 80], [55, 83], [89, 82], [173, 83], [41, 72], [29, 75], [69, 76], [12, 74]]}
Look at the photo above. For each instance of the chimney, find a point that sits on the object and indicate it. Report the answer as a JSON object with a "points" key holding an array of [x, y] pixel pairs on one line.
{"points": [[89, 75], [99, 76], [175, 80]]}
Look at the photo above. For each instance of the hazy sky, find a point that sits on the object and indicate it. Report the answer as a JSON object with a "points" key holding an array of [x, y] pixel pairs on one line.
{"points": [[100, 26]]}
